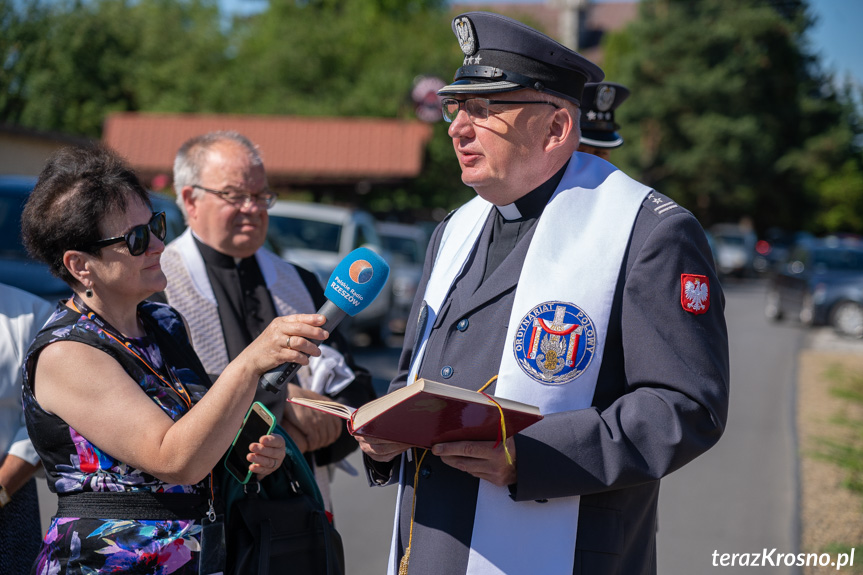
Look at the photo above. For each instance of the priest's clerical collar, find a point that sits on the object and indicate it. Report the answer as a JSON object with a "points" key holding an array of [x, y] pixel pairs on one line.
{"points": [[531, 205], [215, 258]]}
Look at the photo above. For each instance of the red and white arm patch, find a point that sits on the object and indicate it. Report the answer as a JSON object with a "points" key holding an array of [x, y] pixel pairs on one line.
{"points": [[694, 293]]}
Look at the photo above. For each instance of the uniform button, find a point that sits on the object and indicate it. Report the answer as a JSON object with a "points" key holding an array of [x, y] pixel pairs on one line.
{"points": [[425, 472], [462, 325], [446, 372]]}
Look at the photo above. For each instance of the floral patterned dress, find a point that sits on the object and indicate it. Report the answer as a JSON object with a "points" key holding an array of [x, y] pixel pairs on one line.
{"points": [[74, 465]]}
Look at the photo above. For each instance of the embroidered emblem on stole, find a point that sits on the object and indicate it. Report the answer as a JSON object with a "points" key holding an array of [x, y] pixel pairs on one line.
{"points": [[555, 342]]}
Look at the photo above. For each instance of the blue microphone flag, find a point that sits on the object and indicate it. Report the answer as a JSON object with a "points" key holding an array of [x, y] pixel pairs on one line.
{"points": [[357, 280]]}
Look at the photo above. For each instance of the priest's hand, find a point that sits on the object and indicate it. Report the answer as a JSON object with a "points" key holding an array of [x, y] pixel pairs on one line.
{"points": [[318, 429], [380, 449], [481, 459]]}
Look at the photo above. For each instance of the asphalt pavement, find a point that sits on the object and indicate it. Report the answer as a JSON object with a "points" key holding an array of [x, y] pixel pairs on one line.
{"points": [[741, 496]]}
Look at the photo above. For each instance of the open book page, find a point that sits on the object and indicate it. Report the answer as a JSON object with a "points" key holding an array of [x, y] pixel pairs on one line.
{"points": [[331, 407], [428, 412]]}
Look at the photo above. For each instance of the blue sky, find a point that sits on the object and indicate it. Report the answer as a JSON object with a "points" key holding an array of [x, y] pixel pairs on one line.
{"points": [[837, 38]]}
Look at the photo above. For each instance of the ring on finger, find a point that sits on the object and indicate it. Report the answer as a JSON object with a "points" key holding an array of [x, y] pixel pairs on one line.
{"points": [[288, 341]]}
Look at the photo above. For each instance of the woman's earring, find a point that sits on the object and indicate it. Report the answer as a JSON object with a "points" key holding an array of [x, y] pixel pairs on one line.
{"points": [[88, 292]]}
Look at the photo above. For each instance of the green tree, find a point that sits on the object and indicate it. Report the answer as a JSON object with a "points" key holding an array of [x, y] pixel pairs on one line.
{"points": [[329, 57], [71, 63], [351, 58], [728, 107], [21, 24]]}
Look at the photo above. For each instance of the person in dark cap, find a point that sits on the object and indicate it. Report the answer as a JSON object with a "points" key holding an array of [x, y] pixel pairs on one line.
{"points": [[598, 129], [566, 285]]}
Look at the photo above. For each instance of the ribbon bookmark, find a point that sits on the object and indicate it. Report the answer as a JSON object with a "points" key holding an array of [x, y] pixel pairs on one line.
{"points": [[502, 431]]}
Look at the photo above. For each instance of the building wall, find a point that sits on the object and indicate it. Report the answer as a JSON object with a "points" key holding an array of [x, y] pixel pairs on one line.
{"points": [[24, 155]]}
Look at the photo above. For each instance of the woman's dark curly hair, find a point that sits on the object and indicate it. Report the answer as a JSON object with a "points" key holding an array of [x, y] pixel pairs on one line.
{"points": [[77, 188]]}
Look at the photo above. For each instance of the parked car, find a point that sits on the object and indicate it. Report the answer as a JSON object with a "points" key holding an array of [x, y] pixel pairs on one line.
{"points": [[773, 247], [317, 237], [405, 245], [821, 283], [16, 267], [734, 249]]}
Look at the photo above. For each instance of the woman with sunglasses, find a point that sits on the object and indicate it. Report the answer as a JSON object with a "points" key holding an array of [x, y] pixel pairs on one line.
{"points": [[114, 395]]}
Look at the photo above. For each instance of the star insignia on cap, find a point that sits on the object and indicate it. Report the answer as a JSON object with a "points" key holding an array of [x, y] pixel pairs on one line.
{"points": [[591, 115]]}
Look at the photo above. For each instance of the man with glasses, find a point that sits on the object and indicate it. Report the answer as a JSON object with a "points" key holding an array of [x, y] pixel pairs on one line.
{"points": [[229, 287], [566, 285]]}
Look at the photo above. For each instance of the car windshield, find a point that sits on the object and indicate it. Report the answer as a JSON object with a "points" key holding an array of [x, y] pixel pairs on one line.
{"points": [[295, 233], [838, 259], [10, 227], [403, 249]]}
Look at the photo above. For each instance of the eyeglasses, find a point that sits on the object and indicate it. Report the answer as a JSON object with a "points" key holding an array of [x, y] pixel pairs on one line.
{"points": [[477, 108], [265, 199], [138, 238]]}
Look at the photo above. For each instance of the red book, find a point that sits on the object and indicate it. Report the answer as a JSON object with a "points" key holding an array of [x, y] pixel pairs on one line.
{"points": [[429, 412]]}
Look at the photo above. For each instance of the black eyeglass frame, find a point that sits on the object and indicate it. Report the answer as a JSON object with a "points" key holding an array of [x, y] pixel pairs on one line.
{"points": [[462, 104], [157, 226], [268, 197]]}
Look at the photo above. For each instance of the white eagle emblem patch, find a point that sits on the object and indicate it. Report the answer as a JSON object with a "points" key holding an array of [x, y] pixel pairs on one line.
{"points": [[694, 293]]}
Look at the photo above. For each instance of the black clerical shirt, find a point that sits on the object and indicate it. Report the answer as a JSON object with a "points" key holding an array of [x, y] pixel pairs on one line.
{"points": [[521, 217], [245, 305]]}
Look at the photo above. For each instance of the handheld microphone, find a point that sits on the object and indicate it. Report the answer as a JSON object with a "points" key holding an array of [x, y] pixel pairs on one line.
{"points": [[356, 281]]}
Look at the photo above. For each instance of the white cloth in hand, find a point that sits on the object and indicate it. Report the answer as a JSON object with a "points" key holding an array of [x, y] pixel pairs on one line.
{"points": [[327, 374]]}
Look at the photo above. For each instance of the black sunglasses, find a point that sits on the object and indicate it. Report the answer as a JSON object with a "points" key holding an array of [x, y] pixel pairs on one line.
{"points": [[138, 238]]}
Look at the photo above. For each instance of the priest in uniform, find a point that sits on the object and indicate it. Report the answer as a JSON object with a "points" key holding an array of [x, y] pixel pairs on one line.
{"points": [[567, 285]]}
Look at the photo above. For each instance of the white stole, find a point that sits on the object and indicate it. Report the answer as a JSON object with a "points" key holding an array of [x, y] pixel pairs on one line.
{"points": [[575, 257], [190, 292], [269, 265]]}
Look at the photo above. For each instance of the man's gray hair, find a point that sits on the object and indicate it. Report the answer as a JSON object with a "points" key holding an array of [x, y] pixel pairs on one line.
{"points": [[192, 156]]}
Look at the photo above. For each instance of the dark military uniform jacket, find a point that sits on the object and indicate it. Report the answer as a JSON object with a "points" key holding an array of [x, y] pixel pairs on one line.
{"points": [[660, 400]]}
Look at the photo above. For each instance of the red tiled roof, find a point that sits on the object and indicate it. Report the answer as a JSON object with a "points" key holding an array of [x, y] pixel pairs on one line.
{"points": [[294, 149]]}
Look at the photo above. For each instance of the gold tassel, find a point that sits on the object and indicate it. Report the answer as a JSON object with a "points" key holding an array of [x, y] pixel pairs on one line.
{"points": [[403, 564]]}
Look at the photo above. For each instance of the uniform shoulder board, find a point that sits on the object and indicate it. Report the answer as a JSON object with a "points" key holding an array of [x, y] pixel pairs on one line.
{"points": [[660, 204]]}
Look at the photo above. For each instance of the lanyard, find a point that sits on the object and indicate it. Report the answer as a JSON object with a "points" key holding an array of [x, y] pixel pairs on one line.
{"points": [[175, 383], [109, 330]]}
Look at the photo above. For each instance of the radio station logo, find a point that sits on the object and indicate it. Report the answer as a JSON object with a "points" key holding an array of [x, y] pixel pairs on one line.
{"points": [[555, 342], [361, 271]]}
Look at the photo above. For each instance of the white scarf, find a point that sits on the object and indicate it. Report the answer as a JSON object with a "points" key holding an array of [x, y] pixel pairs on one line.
{"points": [[190, 292], [573, 260]]}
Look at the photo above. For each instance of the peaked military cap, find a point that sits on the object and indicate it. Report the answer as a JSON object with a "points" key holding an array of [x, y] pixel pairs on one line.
{"points": [[503, 55], [597, 114]]}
